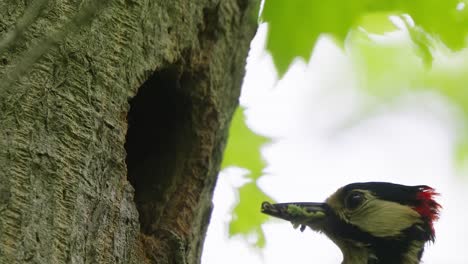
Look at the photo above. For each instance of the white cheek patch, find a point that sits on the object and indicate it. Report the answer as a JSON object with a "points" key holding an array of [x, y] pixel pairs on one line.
{"points": [[383, 218]]}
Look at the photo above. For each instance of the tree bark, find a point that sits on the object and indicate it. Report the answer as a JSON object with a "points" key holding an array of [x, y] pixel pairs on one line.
{"points": [[113, 119]]}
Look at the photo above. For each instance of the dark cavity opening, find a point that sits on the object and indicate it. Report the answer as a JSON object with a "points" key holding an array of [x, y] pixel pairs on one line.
{"points": [[157, 138]]}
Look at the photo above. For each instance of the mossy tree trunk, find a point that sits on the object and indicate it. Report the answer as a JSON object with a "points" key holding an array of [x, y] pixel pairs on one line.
{"points": [[113, 119]]}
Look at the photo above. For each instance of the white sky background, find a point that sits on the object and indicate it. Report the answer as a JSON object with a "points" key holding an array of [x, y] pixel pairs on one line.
{"points": [[325, 137]]}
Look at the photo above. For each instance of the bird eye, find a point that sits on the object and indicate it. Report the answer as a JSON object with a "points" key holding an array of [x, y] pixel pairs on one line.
{"points": [[354, 200]]}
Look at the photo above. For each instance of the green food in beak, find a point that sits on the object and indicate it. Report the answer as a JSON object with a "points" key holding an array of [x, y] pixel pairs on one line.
{"points": [[299, 214]]}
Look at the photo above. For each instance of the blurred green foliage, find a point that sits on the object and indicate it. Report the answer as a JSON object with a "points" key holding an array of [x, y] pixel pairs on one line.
{"points": [[243, 150], [240, 144], [294, 26], [434, 57], [247, 218], [390, 69]]}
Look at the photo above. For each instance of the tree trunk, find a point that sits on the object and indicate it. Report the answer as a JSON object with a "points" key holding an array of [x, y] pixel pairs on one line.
{"points": [[113, 119]]}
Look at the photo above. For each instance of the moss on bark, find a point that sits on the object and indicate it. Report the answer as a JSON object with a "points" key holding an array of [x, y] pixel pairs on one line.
{"points": [[66, 89]]}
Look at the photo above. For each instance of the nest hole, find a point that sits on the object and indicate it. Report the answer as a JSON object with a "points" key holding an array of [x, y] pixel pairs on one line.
{"points": [[157, 138]]}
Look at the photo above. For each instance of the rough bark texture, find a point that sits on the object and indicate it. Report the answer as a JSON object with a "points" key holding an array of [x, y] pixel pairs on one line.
{"points": [[75, 187]]}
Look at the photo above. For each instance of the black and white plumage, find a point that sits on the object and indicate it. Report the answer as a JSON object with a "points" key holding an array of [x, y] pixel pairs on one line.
{"points": [[371, 222]]}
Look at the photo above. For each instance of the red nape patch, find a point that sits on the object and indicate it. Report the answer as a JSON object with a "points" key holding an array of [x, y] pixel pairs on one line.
{"points": [[427, 207]]}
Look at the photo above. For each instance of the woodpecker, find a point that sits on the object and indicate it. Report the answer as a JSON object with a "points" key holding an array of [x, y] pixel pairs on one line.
{"points": [[371, 222]]}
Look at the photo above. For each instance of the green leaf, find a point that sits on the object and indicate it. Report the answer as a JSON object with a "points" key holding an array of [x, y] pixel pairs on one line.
{"points": [[247, 218], [294, 26], [421, 43], [243, 147], [243, 150], [384, 69], [377, 23], [389, 69], [440, 19]]}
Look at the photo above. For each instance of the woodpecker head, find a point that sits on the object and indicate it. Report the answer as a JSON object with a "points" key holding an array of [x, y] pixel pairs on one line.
{"points": [[371, 222]]}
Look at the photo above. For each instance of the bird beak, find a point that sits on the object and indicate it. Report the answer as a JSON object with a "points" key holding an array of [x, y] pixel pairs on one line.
{"points": [[299, 214]]}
